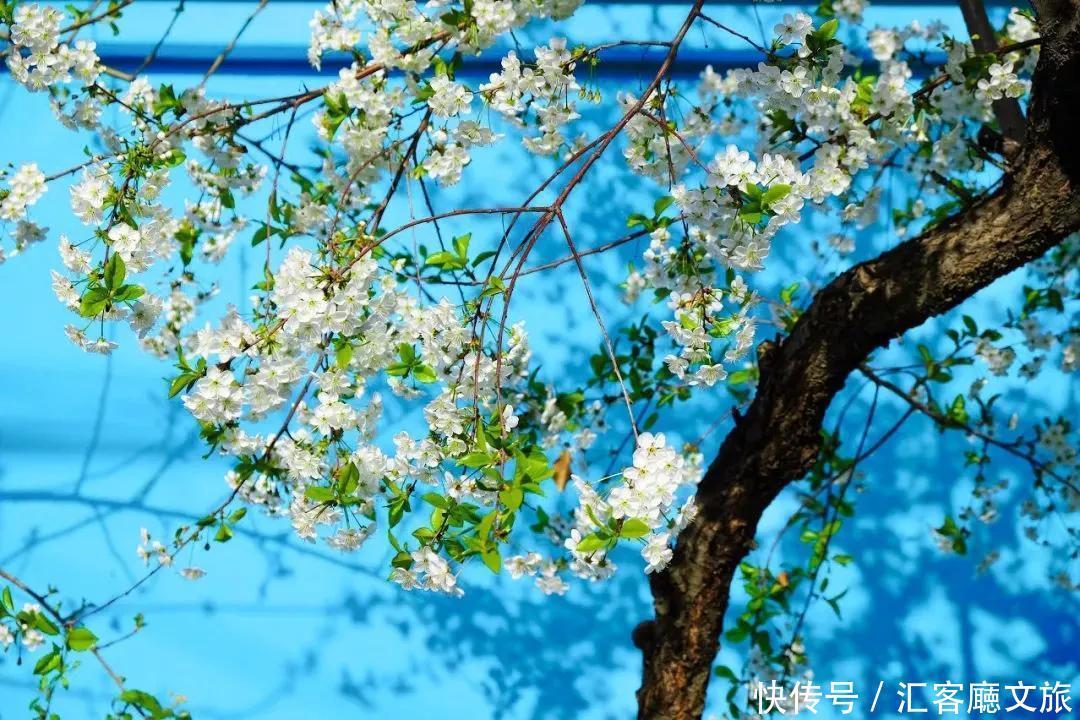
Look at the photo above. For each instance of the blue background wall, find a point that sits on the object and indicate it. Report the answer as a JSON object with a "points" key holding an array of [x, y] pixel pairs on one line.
{"points": [[90, 451]]}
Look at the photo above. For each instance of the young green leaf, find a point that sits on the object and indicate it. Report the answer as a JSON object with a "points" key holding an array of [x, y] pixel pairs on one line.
{"points": [[81, 638]]}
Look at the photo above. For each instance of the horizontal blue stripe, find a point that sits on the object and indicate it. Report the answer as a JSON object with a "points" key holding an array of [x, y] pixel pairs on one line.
{"points": [[254, 60]]}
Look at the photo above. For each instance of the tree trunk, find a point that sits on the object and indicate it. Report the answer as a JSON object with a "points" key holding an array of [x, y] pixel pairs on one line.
{"points": [[778, 439]]}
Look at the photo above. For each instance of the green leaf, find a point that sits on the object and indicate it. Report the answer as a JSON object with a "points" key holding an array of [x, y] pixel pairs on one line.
{"points": [[319, 493], [492, 559], [424, 374], [512, 497], [955, 534], [146, 701], [397, 369], [737, 634], [494, 287], [436, 500], [455, 18], [591, 543], [835, 606], [46, 625], [775, 193], [47, 663], [482, 257], [397, 510], [442, 259], [534, 466], [725, 672], [187, 236], [461, 245], [115, 271], [260, 235], [175, 158], [5, 598], [741, 376], [224, 533], [475, 460], [970, 325], [926, 355], [344, 356], [483, 528], [181, 382], [81, 638], [394, 542], [788, 293], [127, 293], [93, 302], [633, 528], [958, 411], [349, 479]]}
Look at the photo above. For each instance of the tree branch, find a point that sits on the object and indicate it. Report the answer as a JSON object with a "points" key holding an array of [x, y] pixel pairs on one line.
{"points": [[862, 310]]}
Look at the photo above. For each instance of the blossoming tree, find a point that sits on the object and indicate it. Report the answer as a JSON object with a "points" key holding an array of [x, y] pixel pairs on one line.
{"points": [[290, 387]]}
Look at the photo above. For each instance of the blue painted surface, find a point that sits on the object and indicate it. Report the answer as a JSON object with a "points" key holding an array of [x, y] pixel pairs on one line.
{"points": [[90, 451]]}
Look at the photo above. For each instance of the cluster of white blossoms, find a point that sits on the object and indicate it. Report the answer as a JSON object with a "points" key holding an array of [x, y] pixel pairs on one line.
{"points": [[38, 59], [151, 548], [24, 189], [998, 359], [400, 36], [448, 98], [217, 397], [650, 149], [332, 29], [645, 507], [428, 572], [744, 201], [543, 89], [1002, 82], [24, 628], [546, 573], [1061, 449], [290, 384], [88, 195], [403, 34], [650, 484], [726, 220]]}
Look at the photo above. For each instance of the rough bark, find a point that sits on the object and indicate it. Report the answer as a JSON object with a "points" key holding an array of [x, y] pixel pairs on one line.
{"points": [[777, 440]]}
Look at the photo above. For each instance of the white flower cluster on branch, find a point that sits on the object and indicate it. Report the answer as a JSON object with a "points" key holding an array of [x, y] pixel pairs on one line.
{"points": [[290, 386]]}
